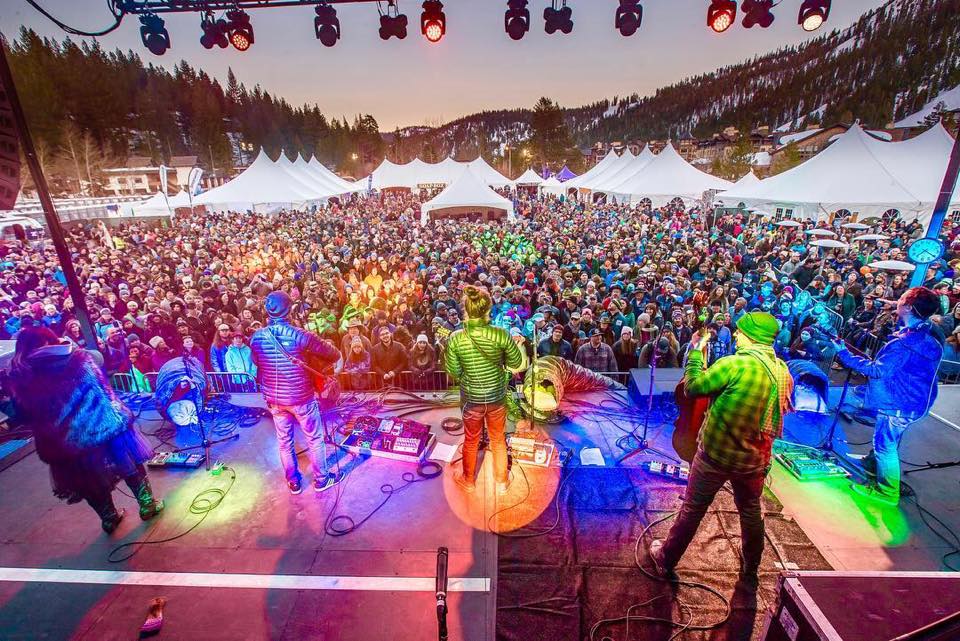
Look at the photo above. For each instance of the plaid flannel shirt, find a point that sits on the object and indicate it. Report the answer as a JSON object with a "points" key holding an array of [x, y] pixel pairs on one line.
{"points": [[743, 393]]}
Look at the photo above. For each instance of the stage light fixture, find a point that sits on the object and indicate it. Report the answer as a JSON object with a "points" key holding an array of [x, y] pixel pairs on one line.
{"points": [[154, 34], [813, 13], [241, 31], [757, 12], [629, 17], [558, 18], [433, 22], [393, 23], [214, 31], [516, 20], [721, 15], [327, 25]]}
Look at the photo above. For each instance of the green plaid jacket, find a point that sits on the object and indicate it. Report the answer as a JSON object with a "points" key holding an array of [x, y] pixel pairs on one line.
{"points": [[742, 392], [478, 357]]}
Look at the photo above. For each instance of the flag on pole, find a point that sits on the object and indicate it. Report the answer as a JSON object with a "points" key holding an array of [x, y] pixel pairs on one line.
{"points": [[193, 181], [163, 179]]}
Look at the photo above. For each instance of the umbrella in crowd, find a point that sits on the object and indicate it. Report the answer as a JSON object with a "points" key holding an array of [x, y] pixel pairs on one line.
{"points": [[893, 265], [787, 223], [855, 226], [867, 237], [820, 232]]}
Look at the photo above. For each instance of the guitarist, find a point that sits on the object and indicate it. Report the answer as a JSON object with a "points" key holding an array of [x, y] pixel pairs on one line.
{"points": [[750, 393], [901, 386], [279, 352]]}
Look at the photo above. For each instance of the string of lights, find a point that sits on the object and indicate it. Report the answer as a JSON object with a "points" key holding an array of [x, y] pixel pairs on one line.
{"points": [[226, 22]]}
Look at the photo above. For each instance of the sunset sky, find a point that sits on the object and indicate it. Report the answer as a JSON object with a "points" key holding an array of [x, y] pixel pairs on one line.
{"points": [[475, 67]]}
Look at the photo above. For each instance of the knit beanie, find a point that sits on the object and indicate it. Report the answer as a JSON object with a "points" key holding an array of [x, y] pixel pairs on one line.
{"points": [[759, 326], [278, 304]]}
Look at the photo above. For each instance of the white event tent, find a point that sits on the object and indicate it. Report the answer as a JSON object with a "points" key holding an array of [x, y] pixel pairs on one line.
{"points": [[268, 185], [156, 205], [594, 172], [418, 173], [612, 169], [529, 178], [666, 177], [468, 194], [861, 174], [611, 180]]}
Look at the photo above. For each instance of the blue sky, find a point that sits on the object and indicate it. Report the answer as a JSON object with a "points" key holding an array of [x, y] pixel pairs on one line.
{"points": [[475, 67]]}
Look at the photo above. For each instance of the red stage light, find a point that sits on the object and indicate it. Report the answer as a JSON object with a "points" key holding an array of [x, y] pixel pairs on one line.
{"points": [[433, 31], [721, 15], [240, 41]]}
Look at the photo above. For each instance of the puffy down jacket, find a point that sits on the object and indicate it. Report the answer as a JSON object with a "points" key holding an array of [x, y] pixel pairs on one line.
{"points": [[282, 379]]}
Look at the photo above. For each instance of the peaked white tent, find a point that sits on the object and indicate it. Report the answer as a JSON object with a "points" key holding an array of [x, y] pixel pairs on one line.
{"points": [[326, 180], [553, 186], [468, 194], [861, 174], [264, 185], [529, 177], [669, 176], [487, 174], [318, 169], [749, 179], [612, 169], [595, 171], [610, 181], [157, 205]]}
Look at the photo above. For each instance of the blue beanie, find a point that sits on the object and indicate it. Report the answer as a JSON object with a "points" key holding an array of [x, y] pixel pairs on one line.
{"points": [[278, 304]]}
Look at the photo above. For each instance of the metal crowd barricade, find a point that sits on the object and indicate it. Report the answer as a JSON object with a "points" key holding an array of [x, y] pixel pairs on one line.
{"points": [[623, 378], [949, 373], [230, 383], [432, 381]]}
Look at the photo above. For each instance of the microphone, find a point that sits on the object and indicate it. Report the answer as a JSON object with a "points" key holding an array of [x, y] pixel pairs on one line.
{"points": [[442, 592]]}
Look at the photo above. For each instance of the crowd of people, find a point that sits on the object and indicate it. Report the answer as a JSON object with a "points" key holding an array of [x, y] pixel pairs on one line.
{"points": [[608, 286]]}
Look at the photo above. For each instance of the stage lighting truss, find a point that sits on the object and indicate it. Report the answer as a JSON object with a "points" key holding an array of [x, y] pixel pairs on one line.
{"points": [[629, 17], [558, 17], [813, 13], [433, 22], [392, 22], [327, 25], [757, 12], [516, 20], [154, 34], [721, 15]]}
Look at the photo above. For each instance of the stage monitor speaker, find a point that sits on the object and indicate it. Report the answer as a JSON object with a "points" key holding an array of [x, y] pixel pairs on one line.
{"points": [[665, 381], [865, 606], [9, 154]]}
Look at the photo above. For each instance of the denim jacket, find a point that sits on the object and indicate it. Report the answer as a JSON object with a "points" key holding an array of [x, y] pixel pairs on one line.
{"points": [[903, 376]]}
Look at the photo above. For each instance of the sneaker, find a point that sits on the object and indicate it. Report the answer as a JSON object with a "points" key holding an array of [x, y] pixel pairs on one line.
{"points": [[504, 486], [324, 484], [873, 493], [656, 555], [295, 487], [463, 483]]}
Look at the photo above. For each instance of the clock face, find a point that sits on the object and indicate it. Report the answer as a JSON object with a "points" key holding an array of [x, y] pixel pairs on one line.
{"points": [[925, 250]]}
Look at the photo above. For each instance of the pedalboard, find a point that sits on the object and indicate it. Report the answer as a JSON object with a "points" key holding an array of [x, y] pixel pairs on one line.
{"points": [[395, 438], [808, 463], [181, 460], [530, 447], [673, 471]]}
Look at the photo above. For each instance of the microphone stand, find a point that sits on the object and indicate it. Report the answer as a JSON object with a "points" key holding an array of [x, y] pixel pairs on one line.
{"points": [[643, 445], [442, 560]]}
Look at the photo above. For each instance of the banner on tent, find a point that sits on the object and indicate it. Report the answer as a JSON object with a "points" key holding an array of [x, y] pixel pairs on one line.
{"points": [[193, 180]]}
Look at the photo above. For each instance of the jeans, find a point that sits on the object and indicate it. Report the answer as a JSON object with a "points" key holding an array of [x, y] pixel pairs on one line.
{"points": [[285, 418], [705, 481], [886, 443], [495, 417]]}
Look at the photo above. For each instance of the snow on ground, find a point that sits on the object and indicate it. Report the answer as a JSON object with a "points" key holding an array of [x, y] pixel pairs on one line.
{"points": [[950, 99]]}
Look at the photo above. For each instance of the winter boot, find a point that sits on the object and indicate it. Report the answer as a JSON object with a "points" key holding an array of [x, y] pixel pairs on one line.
{"points": [[149, 505], [110, 516]]}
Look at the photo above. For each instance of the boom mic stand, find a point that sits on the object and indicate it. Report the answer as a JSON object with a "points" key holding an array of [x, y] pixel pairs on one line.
{"points": [[206, 443], [642, 444]]}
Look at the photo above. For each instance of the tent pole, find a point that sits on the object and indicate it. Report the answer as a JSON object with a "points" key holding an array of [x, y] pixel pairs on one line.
{"points": [[940, 211]]}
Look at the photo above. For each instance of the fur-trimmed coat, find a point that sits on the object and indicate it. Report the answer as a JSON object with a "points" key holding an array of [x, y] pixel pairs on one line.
{"points": [[66, 400]]}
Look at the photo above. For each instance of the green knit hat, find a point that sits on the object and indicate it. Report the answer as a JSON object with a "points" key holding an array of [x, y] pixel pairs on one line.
{"points": [[759, 326]]}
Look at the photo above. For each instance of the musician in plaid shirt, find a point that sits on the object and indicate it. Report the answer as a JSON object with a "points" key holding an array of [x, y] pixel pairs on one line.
{"points": [[750, 393]]}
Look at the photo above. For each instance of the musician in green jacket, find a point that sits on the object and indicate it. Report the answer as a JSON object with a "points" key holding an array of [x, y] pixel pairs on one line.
{"points": [[480, 358]]}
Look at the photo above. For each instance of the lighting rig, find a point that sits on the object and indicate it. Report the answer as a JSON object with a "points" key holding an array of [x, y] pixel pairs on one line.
{"points": [[226, 22]]}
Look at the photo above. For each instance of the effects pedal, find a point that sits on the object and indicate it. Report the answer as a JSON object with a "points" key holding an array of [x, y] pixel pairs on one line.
{"points": [[182, 460], [673, 471], [389, 437], [530, 447]]}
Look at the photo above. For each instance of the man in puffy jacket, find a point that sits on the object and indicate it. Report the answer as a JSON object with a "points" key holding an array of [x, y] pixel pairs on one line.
{"points": [[901, 387], [279, 352]]}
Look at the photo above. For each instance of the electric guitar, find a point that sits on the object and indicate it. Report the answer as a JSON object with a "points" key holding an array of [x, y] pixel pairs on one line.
{"points": [[692, 412]]}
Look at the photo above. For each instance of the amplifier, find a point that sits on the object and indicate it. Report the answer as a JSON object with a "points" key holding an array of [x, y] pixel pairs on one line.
{"points": [[396, 438], [865, 606]]}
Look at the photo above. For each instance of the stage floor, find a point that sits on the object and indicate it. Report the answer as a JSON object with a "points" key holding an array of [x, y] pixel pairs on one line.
{"points": [[261, 566]]}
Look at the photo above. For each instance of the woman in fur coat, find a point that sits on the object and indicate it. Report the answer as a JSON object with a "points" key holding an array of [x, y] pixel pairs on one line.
{"points": [[82, 431]]}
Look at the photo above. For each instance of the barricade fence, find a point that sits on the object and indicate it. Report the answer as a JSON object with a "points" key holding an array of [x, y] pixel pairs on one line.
{"points": [[240, 383]]}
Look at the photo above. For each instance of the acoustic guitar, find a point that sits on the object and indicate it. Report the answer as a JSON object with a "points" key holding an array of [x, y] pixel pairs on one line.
{"points": [[692, 412]]}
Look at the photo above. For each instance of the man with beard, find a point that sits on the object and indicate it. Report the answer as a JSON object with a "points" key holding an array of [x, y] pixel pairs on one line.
{"points": [[388, 358], [596, 355], [555, 345]]}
